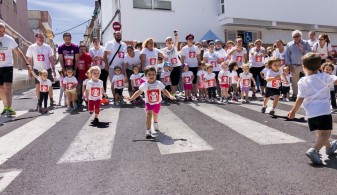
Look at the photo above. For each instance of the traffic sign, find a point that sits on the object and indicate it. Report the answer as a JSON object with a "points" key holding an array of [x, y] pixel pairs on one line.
{"points": [[116, 26], [248, 37]]}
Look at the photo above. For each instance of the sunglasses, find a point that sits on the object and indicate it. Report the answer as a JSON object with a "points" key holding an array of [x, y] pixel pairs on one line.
{"points": [[296, 36], [321, 39], [189, 38]]}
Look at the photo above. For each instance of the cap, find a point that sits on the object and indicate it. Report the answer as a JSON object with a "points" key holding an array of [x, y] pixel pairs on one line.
{"points": [[168, 38], [203, 41], [217, 40], [184, 64], [167, 64], [211, 43]]}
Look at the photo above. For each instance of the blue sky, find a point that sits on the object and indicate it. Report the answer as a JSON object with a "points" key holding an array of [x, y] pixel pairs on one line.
{"points": [[66, 14]]}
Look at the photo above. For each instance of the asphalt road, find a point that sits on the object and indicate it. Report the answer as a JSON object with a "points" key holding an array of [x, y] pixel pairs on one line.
{"points": [[201, 149]]}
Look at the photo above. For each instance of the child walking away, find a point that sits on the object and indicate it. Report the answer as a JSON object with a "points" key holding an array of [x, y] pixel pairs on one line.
{"points": [[70, 84], [263, 74], [187, 77], [62, 93], [286, 82], [224, 76], [45, 86], [94, 91], [165, 76], [201, 81], [210, 83], [313, 92], [273, 78], [244, 82], [118, 83], [328, 68], [136, 82], [233, 67], [152, 89]]}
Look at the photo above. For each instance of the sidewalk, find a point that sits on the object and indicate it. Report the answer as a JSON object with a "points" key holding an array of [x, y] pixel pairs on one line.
{"points": [[21, 80]]}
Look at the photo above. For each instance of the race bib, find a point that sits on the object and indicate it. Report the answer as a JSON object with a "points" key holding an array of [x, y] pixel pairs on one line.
{"points": [[81, 65], [95, 91], [2, 57], [69, 60], [322, 54], [202, 77], [283, 61], [70, 85], [246, 82], [119, 83], [213, 63], [187, 80], [167, 79], [174, 61], [210, 83], [153, 61], [98, 62], [238, 59], [191, 54], [258, 58], [153, 96], [276, 83], [40, 57], [223, 59], [120, 54], [224, 79], [137, 82], [44, 88]]}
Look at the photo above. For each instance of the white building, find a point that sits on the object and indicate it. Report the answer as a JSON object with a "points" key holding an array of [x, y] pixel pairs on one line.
{"points": [[268, 20]]}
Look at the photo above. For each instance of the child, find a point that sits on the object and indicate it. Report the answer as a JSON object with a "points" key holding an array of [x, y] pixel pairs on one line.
{"points": [[273, 78], [70, 84], [84, 88], [201, 81], [330, 60], [286, 83], [45, 87], [233, 67], [187, 77], [328, 69], [210, 83], [152, 89], [223, 77], [94, 91], [118, 83], [263, 74], [165, 76], [62, 94], [245, 81], [313, 92], [135, 82]]}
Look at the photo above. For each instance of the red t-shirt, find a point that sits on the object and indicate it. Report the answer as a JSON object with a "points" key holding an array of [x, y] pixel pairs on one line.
{"points": [[83, 66]]}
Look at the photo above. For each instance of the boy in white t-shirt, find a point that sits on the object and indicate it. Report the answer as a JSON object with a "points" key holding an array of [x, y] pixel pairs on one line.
{"points": [[45, 87], [70, 85], [314, 93], [152, 89], [118, 84], [165, 76], [328, 69], [135, 79]]}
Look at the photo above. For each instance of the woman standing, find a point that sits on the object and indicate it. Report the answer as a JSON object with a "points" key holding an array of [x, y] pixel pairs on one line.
{"points": [[149, 55], [323, 47], [131, 58], [280, 52], [257, 54], [238, 54]]}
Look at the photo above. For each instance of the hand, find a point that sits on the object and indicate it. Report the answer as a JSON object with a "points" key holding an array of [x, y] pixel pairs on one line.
{"points": [[128, 99], [54, 73], [106, 68], [291, 114], [300, 46], [105, 95], [172, 97], [30, 73]]}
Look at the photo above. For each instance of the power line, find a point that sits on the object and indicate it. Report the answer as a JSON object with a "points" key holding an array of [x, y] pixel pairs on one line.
{"points": [[72, 28]]}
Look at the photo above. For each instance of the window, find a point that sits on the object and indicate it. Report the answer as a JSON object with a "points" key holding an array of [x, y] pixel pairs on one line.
{"points": [[222, 5], [152, 4]]}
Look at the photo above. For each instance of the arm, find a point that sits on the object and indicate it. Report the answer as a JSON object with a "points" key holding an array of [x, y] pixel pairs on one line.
{"points": [[167, 94], [162, 55], [87, 93], [33, 74], [253, 80], [272, 78], [19, 53], [198, 58], [261, 74], [232, 51], [245, 57], [105, 59], [285, 78], [182, 59], [30, 61], [297, 105], [135, 95], [61, 61], [124, 68], [176, 40], [77, 59], [142, 61], [205, 59], [52, 63]]}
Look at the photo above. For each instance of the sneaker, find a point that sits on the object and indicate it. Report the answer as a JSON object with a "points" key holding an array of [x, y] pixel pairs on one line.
{"points": [[332, 149], [75, 106], [156, 127], [95, 121], [185, 100], [225, 101], [190, 99], [68, 109], [272, 112], [4, 111], [247, 100], [148, 134], [284, 99], [52, 103], [263, 109], [11, 111], [254, 95], [234, 99], [314, 156], [287, 100], [105, 101]]}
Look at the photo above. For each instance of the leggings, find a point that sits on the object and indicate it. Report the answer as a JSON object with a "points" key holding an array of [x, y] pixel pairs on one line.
{"points": [[104, 77], [44, 99], [333, 99], [211, 92], [62, 94]]}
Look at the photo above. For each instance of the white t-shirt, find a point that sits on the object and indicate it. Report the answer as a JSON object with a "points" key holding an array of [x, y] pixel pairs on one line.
{"points": [[172, 56], [315, 89], [274, 83], [187, 77], [70, 83], [245, 79], [151, 57], [85, 81], [100, 53], [210, 80], [44, 85], [257, 60], [201, 74], [118, 81], [132, 61], [238, 57], [40, 55], [190, 54], [212, 59], [334, 70], [95, 89], [288, 76], [152, 92], [135, 79], [224, 76], [6, 50], [281, 56], [322, 51], [166, 76], [311, 43], [264, 72], [222, 55], [112, 47], [234, 77]]}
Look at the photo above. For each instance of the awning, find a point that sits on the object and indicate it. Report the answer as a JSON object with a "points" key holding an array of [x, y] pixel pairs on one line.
{"points": [[210, 36], [49, 32]]}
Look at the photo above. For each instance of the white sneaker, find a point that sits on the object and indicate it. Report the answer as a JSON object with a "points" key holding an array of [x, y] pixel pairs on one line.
{"points": [[148, 134], [68, 109], [156, 127], [314, 156], [287, 100], [332, 149]]}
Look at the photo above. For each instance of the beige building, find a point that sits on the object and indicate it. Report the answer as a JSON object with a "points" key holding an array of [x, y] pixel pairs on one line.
{"points": [[94, 28]]}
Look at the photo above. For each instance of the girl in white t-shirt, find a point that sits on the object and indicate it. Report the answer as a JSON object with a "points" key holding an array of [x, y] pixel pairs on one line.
{"points": [[118, 84], [323, 47], [224, 78], [45, 87], [245, 81], [210, 83], [62, 94], [70, 85], [187, 77], [233, 67], [135, 80], [328, 69], [152, 90], [286, 82], [201, 81]]}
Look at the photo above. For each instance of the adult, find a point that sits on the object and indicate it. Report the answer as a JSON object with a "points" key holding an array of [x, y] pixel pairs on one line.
{"points": [[238, 54], [132, 58], [213, 58], [228, 48], [323, 47], [312, 38], [204, 45], [257, 54], [171, 51], [149, 55], [96, 54], [7, 46], [114, 56], [190, 54], [84, 64], [296, 49], [41, 57], [280, 51], [68, 53]]}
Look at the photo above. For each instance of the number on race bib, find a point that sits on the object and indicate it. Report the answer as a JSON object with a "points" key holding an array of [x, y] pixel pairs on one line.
{"points": [[40, 57], [191, 54], [213, 63], [44, 88], [153, 61], [246, 82], [153, 95], [276, 83], [137, 82], [119, 83], [69, 85], [81, 65], [95, 92], [283, 62], [224, 79], [174, 61], [238, 59], [167, 79], [210, 83], [258, 58], [187, 80], [69, 60], [120, 54]]}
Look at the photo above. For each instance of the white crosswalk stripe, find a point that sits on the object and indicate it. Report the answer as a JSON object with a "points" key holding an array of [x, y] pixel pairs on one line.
{"points": [[7, 177]]}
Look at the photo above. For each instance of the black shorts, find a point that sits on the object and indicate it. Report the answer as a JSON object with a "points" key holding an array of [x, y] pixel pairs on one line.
{"points": [[128, 74], [119, 92], [6, 75], [50, 75], [272, 91], [285, 89], [195, 71], [256, 72], [175, 75], [168, 88], [323, 122]]}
